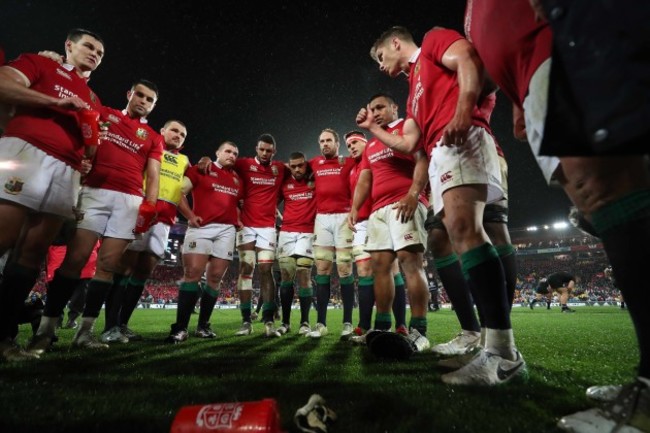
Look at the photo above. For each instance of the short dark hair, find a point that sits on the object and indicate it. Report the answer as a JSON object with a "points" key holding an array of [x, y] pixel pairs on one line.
{"points": [[395, 31], [75, 34], [151, 85], [297, 155], [174, 120], [333, 132], [266, 138], [231, 143], [382, 95]]}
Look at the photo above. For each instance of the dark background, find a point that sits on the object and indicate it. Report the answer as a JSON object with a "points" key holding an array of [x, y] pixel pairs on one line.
{"points": [[233, 70]]}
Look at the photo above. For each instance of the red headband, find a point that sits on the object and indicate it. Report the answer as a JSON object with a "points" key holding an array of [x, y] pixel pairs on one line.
{"points": [[355, 137]]}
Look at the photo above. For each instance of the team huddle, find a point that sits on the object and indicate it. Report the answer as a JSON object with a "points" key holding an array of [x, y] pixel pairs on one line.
{"points": [[435, 179]]}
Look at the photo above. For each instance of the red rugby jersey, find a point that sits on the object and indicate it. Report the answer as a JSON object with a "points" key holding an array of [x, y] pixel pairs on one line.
{"points": [[122, 158], [262, 185], [54, 131]]}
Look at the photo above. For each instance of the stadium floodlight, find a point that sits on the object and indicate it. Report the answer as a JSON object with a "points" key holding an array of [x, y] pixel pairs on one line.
{"points": [[546, 227], [561, 225], [531, 229]]}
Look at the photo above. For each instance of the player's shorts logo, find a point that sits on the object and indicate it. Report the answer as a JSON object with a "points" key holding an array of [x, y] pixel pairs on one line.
{"points": [[14, 185], [192, 245], [446, 177], [171, 159], [408, 237]]}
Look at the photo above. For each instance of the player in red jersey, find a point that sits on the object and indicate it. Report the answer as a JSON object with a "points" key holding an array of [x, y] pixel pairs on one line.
{"points": [[110, 202], [495, 219], [40, 192], [333, 237], [395, 182], [210, 238], [295, 250], [445, 80], [142, 255], [582, 87], [356, 143], [256, 241]]}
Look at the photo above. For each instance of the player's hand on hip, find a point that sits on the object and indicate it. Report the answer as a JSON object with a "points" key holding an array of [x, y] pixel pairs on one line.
{"points": [[405, 208], [456, 131], [195, 221], [352, 220]]}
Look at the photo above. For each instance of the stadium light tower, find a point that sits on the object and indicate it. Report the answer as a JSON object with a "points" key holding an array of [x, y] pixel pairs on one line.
{"points": [[561, 225]]}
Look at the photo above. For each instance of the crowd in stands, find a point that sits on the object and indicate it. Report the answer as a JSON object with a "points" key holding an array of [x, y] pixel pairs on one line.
{"points": [[592, 285]]}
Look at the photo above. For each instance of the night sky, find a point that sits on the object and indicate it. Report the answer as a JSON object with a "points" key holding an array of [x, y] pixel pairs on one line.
{"points": [[232, 70]]}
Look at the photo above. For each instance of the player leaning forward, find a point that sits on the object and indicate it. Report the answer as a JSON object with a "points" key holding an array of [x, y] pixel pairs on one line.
{"points": [[444, 83]]}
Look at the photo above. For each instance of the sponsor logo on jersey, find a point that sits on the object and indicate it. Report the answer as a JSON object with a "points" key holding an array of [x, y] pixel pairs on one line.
{"points": [[253, 168], [291, 186], [141, 133], [274, 170], [446, 177], [170, 158], [64, 74], [14, 185], [113, 118]]}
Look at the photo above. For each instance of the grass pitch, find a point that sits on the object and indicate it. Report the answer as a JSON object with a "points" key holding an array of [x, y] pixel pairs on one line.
{"points": [[139, 386]]}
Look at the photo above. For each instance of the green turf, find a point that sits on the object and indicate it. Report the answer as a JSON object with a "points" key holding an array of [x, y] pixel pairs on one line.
{"points": [[140, 386]]}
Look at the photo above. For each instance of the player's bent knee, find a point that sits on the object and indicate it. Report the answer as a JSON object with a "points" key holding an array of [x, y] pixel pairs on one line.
{"points": [[343, 256], [304, 262], [266, 256], [344, 269], [247, 258], [287, 264], [324, 254], [359, 253]]}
